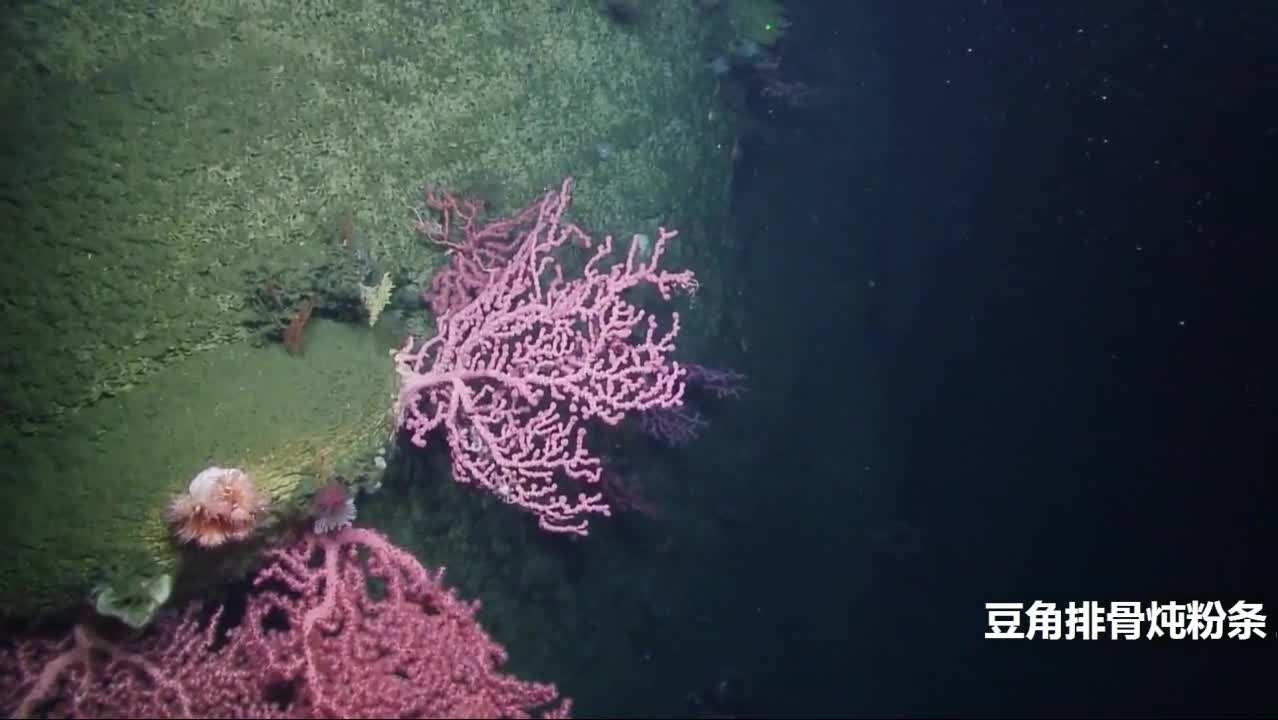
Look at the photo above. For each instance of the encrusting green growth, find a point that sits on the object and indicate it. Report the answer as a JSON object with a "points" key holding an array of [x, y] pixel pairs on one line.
{"points": [[101, 530], [376, 298], [134, 605]]}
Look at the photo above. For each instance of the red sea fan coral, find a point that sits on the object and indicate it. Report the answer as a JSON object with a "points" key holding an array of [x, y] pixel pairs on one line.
{"points": [[220, 506]]}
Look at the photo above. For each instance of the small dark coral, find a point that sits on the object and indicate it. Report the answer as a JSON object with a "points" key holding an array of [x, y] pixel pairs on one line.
{"points": [[626, 13], [294, 333]]}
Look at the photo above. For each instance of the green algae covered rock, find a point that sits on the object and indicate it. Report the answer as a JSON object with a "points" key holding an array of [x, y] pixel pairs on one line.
{"points": [[89, 512], [181, 175]]}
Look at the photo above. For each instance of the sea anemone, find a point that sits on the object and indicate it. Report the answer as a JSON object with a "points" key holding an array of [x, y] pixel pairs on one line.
{"points": [[220, 506], [333, 508]]}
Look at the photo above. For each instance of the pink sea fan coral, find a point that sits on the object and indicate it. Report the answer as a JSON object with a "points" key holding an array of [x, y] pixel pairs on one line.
{"points": [[342, 625], [221, 505]]}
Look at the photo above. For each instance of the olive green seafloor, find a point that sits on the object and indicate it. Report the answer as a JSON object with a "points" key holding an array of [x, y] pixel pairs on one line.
{"points": [[96, 518]]}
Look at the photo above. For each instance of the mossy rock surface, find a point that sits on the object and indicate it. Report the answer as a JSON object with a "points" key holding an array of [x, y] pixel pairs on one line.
{"points": [[90, 507], [170, 165]]}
